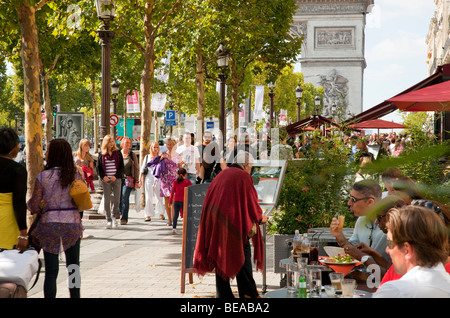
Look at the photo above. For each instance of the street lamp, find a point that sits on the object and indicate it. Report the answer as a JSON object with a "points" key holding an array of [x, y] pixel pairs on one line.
{"points": [[105, 12], [317, 101], [115, 92], [223, 58], [271, 85], [333, 110], [298, 94]]}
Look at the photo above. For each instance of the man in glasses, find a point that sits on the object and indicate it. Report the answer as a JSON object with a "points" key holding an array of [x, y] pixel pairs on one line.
{"points": [[363, 197], [418, 245]]}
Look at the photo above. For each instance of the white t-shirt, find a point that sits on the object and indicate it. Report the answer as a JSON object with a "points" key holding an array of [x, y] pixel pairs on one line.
{"points": [[190, 156], [419, 282]]}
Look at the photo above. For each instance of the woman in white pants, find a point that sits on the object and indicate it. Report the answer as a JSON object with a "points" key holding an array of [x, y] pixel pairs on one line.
{"points": [[151, 185]]}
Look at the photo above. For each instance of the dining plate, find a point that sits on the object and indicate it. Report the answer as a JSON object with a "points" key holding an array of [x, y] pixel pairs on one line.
{"points": [[333, 250], [335, 263]]}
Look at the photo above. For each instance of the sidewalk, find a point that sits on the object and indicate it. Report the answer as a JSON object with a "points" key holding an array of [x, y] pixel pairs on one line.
{"points": [[139, 260]]}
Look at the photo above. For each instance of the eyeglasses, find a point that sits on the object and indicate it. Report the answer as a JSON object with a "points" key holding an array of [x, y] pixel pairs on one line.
{"points": [[390, 243], [354, 200]]}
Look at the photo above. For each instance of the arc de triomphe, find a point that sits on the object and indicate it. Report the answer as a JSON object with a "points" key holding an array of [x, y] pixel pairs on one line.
{"points": [[333, 49]]}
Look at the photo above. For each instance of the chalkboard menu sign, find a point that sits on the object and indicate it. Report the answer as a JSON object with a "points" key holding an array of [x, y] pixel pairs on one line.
{"points": [[194, 196]]}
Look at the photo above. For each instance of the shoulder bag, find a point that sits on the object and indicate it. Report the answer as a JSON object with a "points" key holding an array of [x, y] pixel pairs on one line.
{"points": [[80, 195]]}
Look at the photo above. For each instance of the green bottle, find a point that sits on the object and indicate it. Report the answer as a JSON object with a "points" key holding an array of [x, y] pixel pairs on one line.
{"points": [[302, 285]]}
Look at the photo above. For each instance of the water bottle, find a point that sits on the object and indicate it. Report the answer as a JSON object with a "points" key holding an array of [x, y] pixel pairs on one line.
{"points": [[302, 284]]}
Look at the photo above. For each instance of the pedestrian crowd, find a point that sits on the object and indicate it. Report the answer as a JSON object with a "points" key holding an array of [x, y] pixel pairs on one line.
{"points": [[398, 229]]}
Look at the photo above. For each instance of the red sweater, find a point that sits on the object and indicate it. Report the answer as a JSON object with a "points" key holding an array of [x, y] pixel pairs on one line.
{"points": [[177, 193]]}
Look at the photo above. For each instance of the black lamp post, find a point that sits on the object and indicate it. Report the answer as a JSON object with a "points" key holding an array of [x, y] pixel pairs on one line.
{"points": [[105, 12], [222, 61], [115, 92], [317, 101], [298, 95], [16, 116]]}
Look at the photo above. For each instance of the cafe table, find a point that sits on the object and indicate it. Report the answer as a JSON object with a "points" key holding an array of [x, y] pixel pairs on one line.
{"points": [[283, 293]]}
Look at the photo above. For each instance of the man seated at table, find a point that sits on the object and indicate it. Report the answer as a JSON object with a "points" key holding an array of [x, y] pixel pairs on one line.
{"points": [[418, 244], [363, 196]]}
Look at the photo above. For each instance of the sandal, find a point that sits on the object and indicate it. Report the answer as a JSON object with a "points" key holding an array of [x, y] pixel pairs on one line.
{"points": [[169, 223], [147, 219], [162, 217]]}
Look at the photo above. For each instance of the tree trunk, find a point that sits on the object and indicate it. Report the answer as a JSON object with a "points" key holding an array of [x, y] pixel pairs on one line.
{"points": [[200, 81], [234, 96], [47, 108], [146, 92], [95, 106], [32, 95]]}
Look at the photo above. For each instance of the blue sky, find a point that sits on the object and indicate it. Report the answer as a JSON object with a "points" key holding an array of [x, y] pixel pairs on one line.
{"points": [[396, 52]]}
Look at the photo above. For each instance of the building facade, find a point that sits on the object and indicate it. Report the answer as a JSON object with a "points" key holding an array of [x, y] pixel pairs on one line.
{"points": [[333, 49]]}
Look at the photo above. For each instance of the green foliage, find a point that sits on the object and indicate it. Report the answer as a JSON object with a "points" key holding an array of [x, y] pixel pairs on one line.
{"points": [[314, 189]]}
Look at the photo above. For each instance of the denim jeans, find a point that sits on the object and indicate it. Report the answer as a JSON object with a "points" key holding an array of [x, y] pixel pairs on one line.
{"points": [[51, 262], [177, 205], [191, 177], [125, 201]]}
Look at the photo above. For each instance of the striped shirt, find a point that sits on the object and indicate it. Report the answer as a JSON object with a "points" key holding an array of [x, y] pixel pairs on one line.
{"points": [[110, 168]]}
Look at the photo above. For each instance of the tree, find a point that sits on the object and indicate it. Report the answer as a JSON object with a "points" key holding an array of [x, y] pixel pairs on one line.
{"points": [[257, 30]]}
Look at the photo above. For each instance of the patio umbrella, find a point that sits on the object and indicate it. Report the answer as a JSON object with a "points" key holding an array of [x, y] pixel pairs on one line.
{"points": [[434, 98], [378, 123]]}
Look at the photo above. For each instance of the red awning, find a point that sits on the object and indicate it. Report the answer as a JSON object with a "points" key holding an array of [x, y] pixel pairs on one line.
{"points": [[431, 98], [314, 121], [378, 123], [441, 74]]}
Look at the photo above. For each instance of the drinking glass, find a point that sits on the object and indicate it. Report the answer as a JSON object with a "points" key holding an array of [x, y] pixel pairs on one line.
{"points": [[292, 277], [314, 251], [336, 280], [330, 290], [348, 287], [315, 290]]}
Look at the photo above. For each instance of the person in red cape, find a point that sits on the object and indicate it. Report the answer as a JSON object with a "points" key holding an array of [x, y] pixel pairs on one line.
{"points": [[229, 215]]}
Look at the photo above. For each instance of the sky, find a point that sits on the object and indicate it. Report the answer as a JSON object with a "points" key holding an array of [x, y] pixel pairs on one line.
{"points": [[396, 52]]}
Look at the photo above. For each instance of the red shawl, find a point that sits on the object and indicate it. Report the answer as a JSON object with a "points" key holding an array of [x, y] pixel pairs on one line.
{"points": [[229, 211]]}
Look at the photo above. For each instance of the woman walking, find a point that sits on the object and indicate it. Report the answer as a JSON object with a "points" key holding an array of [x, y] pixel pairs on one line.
{"points": [[110, 170], [131, 178], [13, 190], [169, 175], [151, 183], [60, 222]]}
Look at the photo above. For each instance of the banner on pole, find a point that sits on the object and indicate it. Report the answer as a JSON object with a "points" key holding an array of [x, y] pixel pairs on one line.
{"points": [[259, 100], [133, 102]]}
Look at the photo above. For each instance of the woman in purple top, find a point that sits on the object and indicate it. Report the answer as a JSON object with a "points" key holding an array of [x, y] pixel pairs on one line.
{"points": [[60, 222]]}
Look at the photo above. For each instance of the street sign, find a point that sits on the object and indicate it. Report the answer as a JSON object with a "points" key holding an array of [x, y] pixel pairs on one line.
{"points": [[113, 120], [170, 118], [209, 125]]}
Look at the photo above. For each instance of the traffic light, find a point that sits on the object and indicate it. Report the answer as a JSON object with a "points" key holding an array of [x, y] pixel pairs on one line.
{"points": [[55, 110]]}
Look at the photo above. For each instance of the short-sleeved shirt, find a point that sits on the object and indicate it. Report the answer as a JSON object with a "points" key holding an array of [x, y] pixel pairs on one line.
{"points": [[370, 233], [189, 155]]}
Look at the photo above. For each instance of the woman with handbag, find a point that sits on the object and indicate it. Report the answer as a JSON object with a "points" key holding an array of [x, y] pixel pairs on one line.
{"points": [[60, 221], [110, 171], [131, 178], [13, 190]]}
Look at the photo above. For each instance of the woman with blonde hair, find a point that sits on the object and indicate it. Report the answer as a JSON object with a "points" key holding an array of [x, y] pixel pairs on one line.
{"points": [[110, 169], [151, 183], [84, 160]]}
